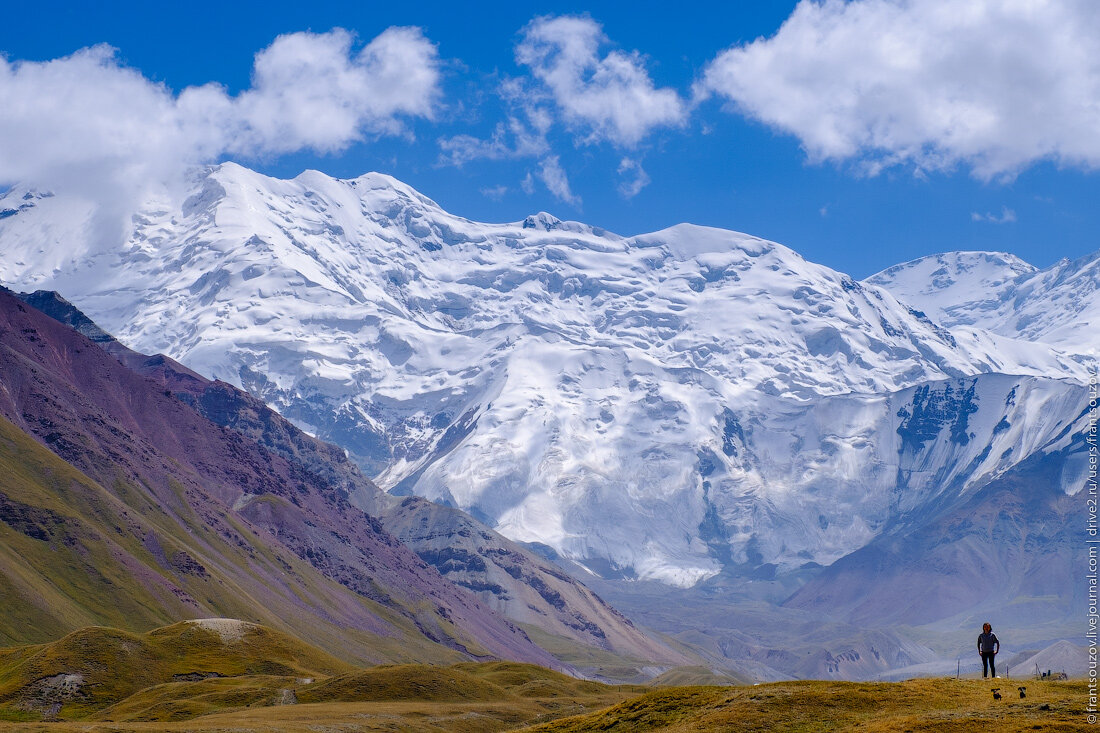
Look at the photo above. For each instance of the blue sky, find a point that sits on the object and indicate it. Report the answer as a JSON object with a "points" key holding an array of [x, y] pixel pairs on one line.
{"points": [[861, 134]]}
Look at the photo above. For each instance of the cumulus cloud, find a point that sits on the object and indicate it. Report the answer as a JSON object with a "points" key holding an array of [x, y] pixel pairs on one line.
{"points": [[311, 91], [992, 84], [600, 98], [87, 121], [607, 98]]}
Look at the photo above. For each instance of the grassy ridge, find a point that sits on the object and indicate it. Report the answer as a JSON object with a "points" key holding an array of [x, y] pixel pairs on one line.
{"points": [[813, 707], [58, 524]]}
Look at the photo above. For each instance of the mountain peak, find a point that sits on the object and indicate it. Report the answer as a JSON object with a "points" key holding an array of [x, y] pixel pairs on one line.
{"points": [[542, 221], [686, 241], [936, 284], [944, 269], [526, 370]]}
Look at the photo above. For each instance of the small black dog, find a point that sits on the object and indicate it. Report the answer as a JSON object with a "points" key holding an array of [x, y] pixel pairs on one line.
{"points": [[1022, 695], [996, 693]]}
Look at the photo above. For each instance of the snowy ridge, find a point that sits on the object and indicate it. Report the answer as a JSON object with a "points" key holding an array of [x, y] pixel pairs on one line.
{"points": [[625, 401], [938, 284], [1059, 305]]}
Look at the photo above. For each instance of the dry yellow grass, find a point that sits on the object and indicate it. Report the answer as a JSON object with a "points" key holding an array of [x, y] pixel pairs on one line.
{"points": [[224, 676], [916, 706], [473, 717]]}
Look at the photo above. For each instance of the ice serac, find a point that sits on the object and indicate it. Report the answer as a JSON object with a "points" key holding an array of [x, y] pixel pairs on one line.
{"points": [[659, 406]]}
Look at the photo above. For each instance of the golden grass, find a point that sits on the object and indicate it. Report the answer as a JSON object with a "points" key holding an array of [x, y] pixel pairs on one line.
{"points": [[116, 665], [231, 675], [228, 676], [915, 706]]}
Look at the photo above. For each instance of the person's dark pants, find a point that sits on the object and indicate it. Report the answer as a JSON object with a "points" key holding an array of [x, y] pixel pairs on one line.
{"points": [[989, 664]]}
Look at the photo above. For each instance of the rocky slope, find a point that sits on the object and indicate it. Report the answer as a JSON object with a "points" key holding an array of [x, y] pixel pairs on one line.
{"points": [[1012, 551]]}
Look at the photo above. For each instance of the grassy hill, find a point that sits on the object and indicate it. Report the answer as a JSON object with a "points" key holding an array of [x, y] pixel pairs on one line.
{"points": [[62, 563], [92, 669], [224, 668], [162, 515]]}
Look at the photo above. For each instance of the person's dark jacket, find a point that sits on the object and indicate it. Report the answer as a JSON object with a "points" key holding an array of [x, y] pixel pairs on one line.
{"points": [[988, 642]]}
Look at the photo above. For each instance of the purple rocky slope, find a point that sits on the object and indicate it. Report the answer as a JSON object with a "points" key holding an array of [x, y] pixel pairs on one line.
{"points": [[139, 440]]}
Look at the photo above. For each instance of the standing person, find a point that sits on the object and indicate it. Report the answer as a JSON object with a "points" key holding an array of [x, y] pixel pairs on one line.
{"points": [[988, 646]]}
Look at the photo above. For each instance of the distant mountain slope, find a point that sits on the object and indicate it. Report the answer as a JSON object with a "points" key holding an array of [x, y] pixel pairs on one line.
{"points": [[1059, 657], [1011, 551], [567, 386], [233, 527], [502, 574], [1059, 305], [940, 285]]}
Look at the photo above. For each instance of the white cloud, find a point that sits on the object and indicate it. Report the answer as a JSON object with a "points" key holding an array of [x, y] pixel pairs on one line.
{"points": [[312, 91], [496, 193], [610, 98], [557, 183], [637, 180], [1007, 216], [509, 141], [88, 123], [528, 184], [992, 84]]}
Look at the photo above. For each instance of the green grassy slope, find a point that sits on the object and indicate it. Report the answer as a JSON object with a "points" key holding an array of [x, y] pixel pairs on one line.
{"points": [[222, 668], [103, 666], [73, 554], [65, 559]]}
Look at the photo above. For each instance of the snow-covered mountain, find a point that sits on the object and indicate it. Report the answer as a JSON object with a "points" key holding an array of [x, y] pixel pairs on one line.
{"points": [[940, 284], [998, 292], [658, 406]]}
